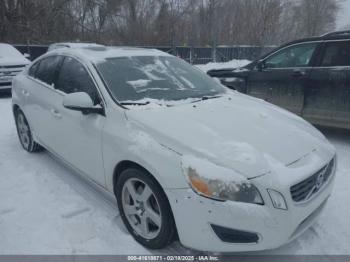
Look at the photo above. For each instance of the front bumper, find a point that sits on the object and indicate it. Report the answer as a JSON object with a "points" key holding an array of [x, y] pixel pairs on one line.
{"points": [[7, 73], [194, 216]]}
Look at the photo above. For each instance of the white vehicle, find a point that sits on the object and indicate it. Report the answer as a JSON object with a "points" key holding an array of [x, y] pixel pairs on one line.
{"points": [[12, 62], [183, 155], [71, 45]]}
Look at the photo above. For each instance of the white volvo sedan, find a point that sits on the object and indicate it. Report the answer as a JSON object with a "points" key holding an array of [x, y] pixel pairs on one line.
{"points": [[185, 157]]}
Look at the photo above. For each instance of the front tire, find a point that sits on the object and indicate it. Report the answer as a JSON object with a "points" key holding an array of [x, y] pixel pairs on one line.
{"points": [[145, 209], [25, 134]]}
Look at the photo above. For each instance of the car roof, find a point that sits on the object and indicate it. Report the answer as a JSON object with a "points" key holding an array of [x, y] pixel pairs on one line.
{"points": [[322, 38], [98, 54], [337, 35]]}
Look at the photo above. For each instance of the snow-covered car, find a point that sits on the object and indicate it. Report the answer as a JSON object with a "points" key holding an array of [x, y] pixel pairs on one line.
{"points": [[71, 45], [12, 62], [183, 155]]}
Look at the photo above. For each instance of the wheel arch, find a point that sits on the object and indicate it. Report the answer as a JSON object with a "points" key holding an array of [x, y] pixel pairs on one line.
{"points": [[15, 107], [125, 164]]}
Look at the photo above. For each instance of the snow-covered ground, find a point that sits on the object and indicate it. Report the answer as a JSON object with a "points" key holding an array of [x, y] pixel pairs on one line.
{"points": [[45, 208], [230, 64]]}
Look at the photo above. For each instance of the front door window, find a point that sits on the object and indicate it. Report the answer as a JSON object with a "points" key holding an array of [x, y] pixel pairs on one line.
{"points": [[294, 56]]}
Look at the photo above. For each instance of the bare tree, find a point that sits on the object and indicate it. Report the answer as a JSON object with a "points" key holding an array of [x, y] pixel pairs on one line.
{"points": [[305, 18], [165, 22], [318, 16]]}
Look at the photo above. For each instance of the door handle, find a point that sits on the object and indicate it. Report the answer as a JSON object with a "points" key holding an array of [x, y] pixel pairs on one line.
{"points": [[298, 73], [56, 113]]}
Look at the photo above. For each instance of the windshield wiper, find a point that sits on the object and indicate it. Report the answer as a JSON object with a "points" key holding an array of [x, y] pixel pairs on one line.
{"points": [[134, 103], [204, 98]]}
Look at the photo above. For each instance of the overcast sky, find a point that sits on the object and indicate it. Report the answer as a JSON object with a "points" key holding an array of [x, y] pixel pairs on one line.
{"points": [[344, 15]]}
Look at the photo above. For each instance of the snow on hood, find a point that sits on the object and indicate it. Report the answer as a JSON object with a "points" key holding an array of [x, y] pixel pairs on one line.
{"points": [[8, 61], [226, 65], [235, 131], [10, 56]]}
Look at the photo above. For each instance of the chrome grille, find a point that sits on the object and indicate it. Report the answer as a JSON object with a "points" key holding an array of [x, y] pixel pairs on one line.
{"points": [[10, 71], [12, 66], [304, 190]]}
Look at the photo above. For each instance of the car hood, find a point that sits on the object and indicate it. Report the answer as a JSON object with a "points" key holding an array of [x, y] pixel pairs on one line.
{"points": [[235, 131], [240, 72], [13, 61]]}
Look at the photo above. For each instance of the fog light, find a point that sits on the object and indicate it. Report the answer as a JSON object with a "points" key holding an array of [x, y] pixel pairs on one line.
{"points": [[277, 199], [229, 235]]}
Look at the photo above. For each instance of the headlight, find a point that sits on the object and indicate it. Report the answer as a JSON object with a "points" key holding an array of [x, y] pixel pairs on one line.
{"points": [[220, 188], [277, 199]]}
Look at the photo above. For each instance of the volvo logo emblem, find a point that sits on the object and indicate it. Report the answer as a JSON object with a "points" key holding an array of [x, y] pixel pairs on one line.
{"points": [[319, 181]]}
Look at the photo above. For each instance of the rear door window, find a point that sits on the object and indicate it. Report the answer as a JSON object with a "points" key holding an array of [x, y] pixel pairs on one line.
{"points": [[336, 53], [73, 78], [47, 69]]}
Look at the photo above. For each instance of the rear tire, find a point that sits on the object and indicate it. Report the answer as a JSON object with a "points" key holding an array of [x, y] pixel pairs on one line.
{"points": [[25, 134], [142, 201]]}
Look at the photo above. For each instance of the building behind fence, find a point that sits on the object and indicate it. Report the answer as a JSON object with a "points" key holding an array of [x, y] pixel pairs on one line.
{"points": [[193, 55]]}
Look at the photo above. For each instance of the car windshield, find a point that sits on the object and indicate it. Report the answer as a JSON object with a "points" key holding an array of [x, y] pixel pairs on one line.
{"points": [[152, 77]]}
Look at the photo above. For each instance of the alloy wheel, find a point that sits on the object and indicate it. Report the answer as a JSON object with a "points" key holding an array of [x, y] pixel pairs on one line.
{"points": [[23, 131], [141, 208]]}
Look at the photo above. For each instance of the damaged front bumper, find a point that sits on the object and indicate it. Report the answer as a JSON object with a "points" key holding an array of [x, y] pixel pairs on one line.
{"points": [[208, 225]]}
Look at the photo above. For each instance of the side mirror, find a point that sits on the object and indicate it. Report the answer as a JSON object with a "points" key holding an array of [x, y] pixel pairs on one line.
{"points": [[81, 102], [261, 65]]}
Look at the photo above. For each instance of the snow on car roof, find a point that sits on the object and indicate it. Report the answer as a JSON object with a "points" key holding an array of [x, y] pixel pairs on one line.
{"points": [[71, 45], [77, 44], [98, 54]]}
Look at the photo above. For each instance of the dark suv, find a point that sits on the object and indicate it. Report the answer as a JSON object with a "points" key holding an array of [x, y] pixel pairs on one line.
{"points": [[310, 77]]}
